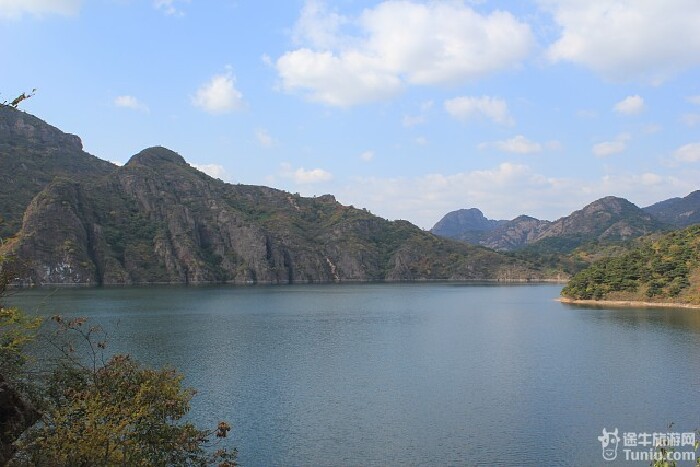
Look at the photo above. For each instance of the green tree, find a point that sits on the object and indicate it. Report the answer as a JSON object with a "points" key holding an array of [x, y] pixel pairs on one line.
{"points": [[114, 411]]}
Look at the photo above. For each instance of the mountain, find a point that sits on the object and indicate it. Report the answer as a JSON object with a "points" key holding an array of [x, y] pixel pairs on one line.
{"points": [[157, 219], [608, 219], [32, 153], [465, 224], [663, 269], [680, 212], [514, 234]]}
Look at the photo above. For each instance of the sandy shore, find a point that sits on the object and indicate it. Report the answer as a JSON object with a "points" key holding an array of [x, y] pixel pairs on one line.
{"points": [[624, 303]]}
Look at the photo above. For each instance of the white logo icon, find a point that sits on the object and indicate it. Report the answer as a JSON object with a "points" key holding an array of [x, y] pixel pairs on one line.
{"points": [[609, 440]]}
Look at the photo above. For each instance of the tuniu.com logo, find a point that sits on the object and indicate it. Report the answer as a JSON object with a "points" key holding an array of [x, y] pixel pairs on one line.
{"points": [[610, 441]]}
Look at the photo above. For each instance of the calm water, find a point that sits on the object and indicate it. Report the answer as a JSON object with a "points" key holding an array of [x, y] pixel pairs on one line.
{"points": [[427, 374]]}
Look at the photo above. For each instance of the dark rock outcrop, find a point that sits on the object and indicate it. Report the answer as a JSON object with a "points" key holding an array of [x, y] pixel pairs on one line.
{"points": [[16, 415]]}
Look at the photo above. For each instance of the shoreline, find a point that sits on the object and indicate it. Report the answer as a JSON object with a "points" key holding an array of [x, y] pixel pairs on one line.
{"points": [[626, 303], [24, 285]]}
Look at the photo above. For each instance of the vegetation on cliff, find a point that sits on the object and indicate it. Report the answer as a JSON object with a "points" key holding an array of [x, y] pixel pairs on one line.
{"points": [[158, 219], [661, 269]]}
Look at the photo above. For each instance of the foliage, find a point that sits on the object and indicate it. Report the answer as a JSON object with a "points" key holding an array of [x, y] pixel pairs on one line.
{"points": [[114, 411], [17, 330], [658, 269], [19, 99]]}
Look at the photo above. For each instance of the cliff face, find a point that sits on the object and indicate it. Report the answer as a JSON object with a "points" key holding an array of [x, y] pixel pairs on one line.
{"points": [[32, 154], [157, 219]]}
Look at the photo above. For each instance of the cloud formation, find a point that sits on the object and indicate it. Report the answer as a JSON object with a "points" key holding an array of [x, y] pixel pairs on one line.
{"points": [[631, 105], [688, 153], [396, 44], [646, 40], [213, 170], [15, 9], [130, 102], [219, 95], [608, 148], [301, 176], [518, 145], [367, 156], [466, 108], [169, 7], [263, 137]]}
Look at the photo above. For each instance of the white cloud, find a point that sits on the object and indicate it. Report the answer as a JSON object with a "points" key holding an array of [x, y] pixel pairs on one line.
{"points": [[647, 40], [14, 9], [301, 176], [317, 26], [367, 156], [694, 100], [213, 170], [263, 137], [412, 120], [465, 108], [219, 95], [690, 120], [130, 102], [518, 144], [395, 44], [608, 148], [421, 141], [688, 153], [631, 105], [169, 7]]}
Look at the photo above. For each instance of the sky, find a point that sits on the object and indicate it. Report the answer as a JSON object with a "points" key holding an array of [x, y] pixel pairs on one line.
{"points": [[408, 108]]}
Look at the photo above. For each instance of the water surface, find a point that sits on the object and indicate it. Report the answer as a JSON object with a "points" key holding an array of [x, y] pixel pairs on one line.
{"points": [[420, 374]]}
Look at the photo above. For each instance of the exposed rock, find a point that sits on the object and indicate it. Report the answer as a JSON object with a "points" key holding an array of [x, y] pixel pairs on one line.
{"points": [[16, 415]]}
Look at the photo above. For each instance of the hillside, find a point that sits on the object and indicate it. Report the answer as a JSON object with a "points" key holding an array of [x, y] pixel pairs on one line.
{"points": [[157, 219], [680, 212], [32, 154], [663, 269]]}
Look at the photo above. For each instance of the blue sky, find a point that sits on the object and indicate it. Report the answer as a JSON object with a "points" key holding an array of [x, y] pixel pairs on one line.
{"points": [[410, 109]]}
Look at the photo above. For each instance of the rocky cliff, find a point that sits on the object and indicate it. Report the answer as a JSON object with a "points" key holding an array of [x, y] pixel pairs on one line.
{"points": [[32, 154], [157, 219]]}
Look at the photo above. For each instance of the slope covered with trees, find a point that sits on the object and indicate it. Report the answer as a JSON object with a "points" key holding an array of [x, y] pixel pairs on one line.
{"points": [[663, 269]]}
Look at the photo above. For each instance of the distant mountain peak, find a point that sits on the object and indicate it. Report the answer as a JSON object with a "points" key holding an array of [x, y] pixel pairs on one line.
{"points": [[156, 156], [469, 220]]}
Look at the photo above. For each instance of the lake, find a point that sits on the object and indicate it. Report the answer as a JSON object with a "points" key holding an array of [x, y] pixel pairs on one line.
{"points": [[419, 374]]}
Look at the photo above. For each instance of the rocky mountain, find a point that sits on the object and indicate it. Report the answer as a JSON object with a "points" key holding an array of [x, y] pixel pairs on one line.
{"points": [[32, 154], [609, 219], [680, 212], [514, 234], [467, 225], [157, 219]]}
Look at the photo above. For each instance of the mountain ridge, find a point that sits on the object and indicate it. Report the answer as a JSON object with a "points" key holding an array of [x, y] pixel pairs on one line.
{"points": [[158, 219], [608, 219]]}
